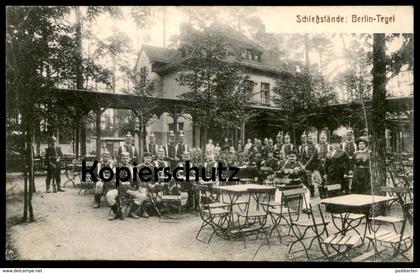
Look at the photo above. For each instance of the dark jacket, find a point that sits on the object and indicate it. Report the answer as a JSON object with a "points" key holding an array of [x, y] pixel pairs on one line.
{"points": [[53, 156], [336, 166]]}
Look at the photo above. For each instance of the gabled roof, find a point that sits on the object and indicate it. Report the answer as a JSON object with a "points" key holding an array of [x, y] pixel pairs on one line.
{"points": [[159, 54], [168, 57]]}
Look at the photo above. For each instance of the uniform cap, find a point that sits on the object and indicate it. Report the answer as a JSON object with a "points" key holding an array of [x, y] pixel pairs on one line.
{"points": [[125, 155], [53, 138], [128, 135]]}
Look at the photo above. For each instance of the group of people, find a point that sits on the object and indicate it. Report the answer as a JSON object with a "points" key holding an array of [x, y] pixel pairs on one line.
{"points": [[331, 161]]}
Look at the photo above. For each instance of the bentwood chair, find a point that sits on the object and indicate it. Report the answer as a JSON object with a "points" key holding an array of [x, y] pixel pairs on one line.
{"points": [[254, 221], [286, 211], [312, 229], [400, 242], [213, 215], [402, 196]]}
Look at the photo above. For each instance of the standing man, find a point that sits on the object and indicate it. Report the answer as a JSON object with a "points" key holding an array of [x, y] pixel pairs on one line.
{"points": [[172, 150], [287, 146], [99, 186], [337, 165], [247, 147], [182, 147], [152, 147], [302, 147], [322, 149], [225, 145], [53, 155], [349, 146], [210, 147], [127, 147], [278, 145]]}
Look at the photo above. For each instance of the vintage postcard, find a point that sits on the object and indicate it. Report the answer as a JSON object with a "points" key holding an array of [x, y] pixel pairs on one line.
{"points": [[209, 133]]}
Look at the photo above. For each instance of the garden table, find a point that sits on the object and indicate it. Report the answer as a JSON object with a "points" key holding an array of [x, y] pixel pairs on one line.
{"points": [[346, 205], [234, 191]]}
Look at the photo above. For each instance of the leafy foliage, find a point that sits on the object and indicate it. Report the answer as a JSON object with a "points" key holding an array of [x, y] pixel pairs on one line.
{"points": [[215, 83]]}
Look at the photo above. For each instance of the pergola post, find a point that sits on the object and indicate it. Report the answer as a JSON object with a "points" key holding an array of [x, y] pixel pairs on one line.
{"points": [[99, 113], [82, 137], [242, 133]]}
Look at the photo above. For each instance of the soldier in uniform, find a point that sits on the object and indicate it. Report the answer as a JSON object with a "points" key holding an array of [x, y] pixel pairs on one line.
{"points": [[265, 148], [127, 147], [302, 146], [152, 147], [53, 155], [269, 165], [322, 149], [182, 147], [135, 189], [187, 185], [160, 187], [349, 146], [337, 165], [279, 143], [295, 172], [287, 146], [225, 144], [99, 186], [171, 150]]}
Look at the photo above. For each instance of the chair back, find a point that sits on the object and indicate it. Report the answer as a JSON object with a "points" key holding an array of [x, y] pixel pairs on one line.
{"points": [[205, 193], [333, 190], [314, 205], [401, 193], [293, 200], [408, 217]]}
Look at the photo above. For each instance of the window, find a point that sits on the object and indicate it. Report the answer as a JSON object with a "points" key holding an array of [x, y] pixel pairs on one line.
{"points": [[265, 93], [180, 126], [143, 70], [249, 87]]}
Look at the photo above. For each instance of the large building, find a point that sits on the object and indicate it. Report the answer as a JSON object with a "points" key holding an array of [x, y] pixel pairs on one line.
{"points": [[260, 66]]}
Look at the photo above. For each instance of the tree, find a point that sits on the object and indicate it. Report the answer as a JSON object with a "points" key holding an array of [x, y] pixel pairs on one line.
{"points": [[40, 54], [298, 95], [379, 111], [215, 84]]}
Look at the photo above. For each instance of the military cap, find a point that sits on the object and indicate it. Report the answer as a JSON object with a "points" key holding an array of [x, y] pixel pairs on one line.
{"points": [[147, 154], [125, 155], [52, 139]]}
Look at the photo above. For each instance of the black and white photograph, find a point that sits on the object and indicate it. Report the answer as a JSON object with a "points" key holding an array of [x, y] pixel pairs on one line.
{"points": [[209, 133]]}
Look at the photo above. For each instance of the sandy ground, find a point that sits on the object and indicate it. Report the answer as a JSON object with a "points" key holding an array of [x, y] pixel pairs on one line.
{"points": [[68, 228]]}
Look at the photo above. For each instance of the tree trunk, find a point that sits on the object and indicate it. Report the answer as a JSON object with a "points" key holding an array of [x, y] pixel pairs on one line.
{"points": [[379, 110]]}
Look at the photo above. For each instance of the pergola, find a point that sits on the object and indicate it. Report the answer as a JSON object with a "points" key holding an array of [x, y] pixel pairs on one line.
{"points": [[85, 101]]}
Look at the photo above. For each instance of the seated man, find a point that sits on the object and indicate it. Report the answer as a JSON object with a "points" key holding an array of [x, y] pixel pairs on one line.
{"points": [[294, 171], [160, 187], [99, 186], [131, 188], [187, 185], [270, 165]]}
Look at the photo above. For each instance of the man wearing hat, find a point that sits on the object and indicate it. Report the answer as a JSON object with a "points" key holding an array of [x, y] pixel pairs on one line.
{"points": [[182, 147], [349, 146], [128, 148], [160, 162], [152, 147], [135, 189], [53, 155], [295, 172], [279, 144], [287, 146], [337, 165], [186, 185], [171, 150], [322, 149], [99, 186], [302, 147]]}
